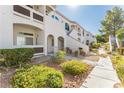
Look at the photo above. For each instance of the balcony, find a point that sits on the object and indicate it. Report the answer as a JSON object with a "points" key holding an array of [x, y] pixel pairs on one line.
{"points": [[26, 11], [37, 17], [22, 10]]}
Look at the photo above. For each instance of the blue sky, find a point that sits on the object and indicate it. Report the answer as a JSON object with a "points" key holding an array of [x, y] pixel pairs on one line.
{"points": [[88, 16]]}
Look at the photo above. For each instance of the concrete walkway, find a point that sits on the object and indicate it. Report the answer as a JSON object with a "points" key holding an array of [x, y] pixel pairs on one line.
{"points": [[103, 75]]}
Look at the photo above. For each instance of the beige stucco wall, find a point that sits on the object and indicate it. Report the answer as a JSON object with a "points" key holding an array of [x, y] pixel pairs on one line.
{"points": [[27, 29]]}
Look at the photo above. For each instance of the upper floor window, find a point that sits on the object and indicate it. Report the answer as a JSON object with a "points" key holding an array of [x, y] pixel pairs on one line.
{"points": [[78, 29], [52, 16], [79, 39], [87, 42], [67, 26], [93, 36], [56, 18], [87, 34]]}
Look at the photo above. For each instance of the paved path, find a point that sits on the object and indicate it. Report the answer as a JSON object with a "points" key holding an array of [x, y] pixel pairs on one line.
{"points": [[103, 75]]}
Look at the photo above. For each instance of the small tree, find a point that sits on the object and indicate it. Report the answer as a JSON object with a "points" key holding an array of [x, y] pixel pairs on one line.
{"points": [[112, 22], [120, 35]]}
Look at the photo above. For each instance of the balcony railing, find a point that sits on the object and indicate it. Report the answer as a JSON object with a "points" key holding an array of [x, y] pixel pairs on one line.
{"points": [[37, 17], [28, 12], [22, 10]]}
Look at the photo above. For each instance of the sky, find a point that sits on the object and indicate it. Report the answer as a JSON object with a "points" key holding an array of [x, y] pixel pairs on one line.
{"points": [[88, 16]]}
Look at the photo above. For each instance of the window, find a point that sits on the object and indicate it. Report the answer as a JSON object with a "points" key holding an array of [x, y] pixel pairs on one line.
{"points": [[56, 18], [87, 34], [53, 16], [87, 42], [67, 26], [78, 29], [83, 33], [24, 39], [79, 39]]}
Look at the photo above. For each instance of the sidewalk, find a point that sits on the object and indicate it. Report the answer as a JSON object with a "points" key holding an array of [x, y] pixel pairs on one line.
{"points": [[103, 75]]}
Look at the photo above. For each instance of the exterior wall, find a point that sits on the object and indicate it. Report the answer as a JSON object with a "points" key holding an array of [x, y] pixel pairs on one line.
{"points": [[49, 26], [54, 27], [74, 34], [22, 19], [6, 26], [74, 44], [28, 29]]}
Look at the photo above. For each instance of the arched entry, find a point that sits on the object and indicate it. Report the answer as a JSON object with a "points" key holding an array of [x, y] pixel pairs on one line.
{"points": [[50, 44], [60, 43]]}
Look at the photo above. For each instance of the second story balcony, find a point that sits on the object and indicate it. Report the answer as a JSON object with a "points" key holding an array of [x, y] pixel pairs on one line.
{"points": [[28, 12]]}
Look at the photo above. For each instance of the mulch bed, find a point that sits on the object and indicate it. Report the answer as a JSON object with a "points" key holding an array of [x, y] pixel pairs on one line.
{"points": [[6, 74], [69, 80]]}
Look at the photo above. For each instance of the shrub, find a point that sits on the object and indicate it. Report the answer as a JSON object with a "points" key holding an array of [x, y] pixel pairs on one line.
{"points": [[37, 77], [120, 71], [95, 45], [120, 51], [104, 55], [109, 52], [59, 57], [16, 56], [74, 67], [60, 54], [2, 61], [118, 62]]}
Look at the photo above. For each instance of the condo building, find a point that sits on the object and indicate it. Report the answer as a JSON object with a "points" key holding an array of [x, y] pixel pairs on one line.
{"points": [[42, 28]]}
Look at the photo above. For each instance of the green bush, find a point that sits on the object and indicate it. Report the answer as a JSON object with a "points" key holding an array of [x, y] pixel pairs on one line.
{"points": [[74, 67], [104, 55], [16, 56], [60, 54], [120, 71], [59, 57], [109, 52], [37, 77], [120, 51], [2, 60], [118, 61], [95, 45]]}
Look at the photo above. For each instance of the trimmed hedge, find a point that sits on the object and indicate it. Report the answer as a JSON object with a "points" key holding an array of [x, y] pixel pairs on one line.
{"points": [[18, 56], [74, 67], [37, 77]]}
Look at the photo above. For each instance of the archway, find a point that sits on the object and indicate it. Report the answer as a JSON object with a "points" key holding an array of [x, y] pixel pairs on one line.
{"points": [[60, 43], [50, 44]]}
